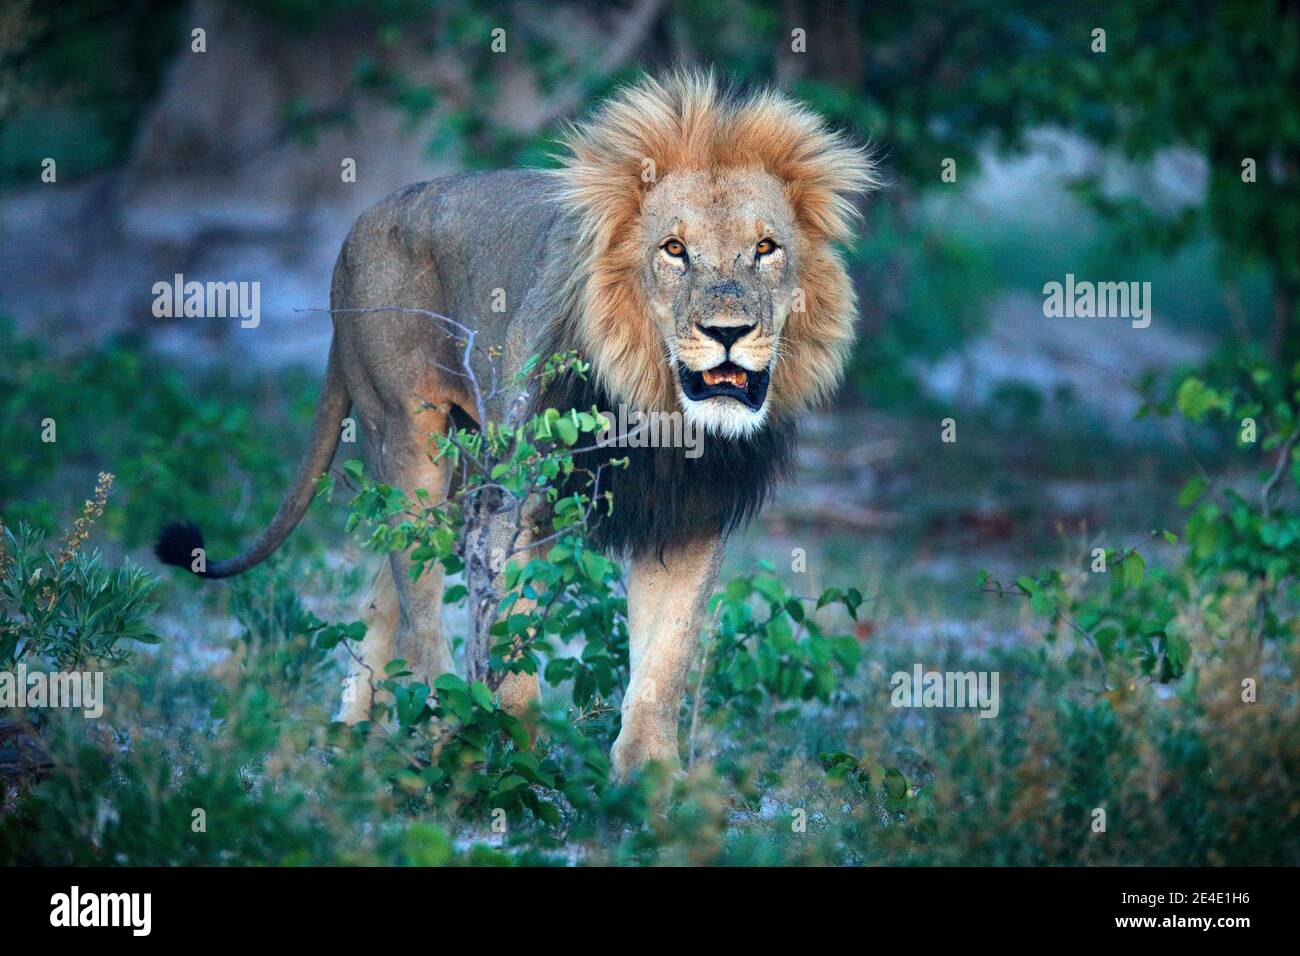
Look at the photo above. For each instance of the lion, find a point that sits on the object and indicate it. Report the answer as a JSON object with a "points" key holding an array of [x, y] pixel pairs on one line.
{"points": [[685, 246]]}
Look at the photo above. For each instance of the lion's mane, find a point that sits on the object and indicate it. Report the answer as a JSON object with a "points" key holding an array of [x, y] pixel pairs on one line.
{"points": [[683, 122]]}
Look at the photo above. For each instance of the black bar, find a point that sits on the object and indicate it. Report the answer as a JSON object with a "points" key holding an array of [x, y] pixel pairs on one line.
{"points": [[212, 906]]}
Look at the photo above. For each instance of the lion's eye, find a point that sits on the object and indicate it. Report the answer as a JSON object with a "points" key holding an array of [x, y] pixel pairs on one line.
{"points": [[674, 248], [765, 247]]}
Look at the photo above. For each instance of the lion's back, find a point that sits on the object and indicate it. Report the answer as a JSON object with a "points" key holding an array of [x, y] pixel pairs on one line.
{"points": [[477, 232]]}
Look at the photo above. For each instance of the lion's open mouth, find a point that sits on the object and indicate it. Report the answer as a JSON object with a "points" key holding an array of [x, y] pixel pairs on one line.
{"points": [[726, 380]]}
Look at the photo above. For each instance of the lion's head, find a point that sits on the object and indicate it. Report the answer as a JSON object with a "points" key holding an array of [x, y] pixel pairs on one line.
{"points": [[707, 279]]}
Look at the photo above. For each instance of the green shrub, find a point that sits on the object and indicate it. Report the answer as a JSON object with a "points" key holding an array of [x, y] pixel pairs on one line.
{"points": [[65, 609], [1238, 545]]}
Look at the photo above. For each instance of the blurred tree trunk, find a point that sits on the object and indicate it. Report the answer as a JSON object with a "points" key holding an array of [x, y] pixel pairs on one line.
{"points": [[1284, 337]]}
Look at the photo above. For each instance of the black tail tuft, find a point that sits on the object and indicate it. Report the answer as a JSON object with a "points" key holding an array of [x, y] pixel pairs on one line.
{"points": [[176, 544]]}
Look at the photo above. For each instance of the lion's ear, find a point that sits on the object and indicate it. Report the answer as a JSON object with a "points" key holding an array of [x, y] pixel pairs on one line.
{"points": [[823, 171]]}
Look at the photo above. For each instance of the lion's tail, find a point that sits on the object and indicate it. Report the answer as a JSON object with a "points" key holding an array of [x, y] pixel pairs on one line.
{"points": [[177, 542]]}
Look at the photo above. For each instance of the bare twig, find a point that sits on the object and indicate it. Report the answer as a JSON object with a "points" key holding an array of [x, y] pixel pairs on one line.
{"points": [[1283, 457], [490, 511], [692, 734], [633, 30]]}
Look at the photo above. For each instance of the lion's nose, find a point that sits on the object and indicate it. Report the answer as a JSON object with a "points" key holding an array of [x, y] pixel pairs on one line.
{"points": [[728, 335]]}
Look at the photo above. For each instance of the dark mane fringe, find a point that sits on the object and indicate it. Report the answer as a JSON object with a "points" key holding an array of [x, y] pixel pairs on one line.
{"points": [[663, 498]]}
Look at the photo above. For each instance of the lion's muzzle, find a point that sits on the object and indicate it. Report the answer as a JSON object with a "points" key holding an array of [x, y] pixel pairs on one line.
{"points": [[727, 380]]}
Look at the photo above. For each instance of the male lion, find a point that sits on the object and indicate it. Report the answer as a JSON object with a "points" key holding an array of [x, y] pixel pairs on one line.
{"points": [[684, 248]]}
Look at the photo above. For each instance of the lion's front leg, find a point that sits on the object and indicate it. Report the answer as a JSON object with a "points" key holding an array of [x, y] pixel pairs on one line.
{"points": [[665, 606]]}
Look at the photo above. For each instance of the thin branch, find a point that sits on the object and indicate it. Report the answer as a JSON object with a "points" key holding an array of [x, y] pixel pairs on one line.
{"points": [[634, 27], [691, 734], [1284, 456]]}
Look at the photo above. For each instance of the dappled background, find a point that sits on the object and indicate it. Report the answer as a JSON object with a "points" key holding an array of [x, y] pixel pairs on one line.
{"points": [[1124, 161]]}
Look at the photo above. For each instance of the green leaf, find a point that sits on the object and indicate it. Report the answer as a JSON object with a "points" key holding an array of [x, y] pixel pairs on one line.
{"points": [[482, 696], [513, 782], [427, 845], [738, 589], [1192, 492], [1134, 570], [1043, 604], [567, 430], [447, 682], [895, 784], [593, 565], [1179, 651], [829, 596], [771, 589]]}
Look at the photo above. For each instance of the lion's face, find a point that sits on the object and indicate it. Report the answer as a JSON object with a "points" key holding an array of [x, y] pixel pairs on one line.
{"points": [[712, 286], [719, 279]]}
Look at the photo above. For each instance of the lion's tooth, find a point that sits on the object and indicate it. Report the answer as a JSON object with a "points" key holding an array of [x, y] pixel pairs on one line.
{"points": [[736, 377]]}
